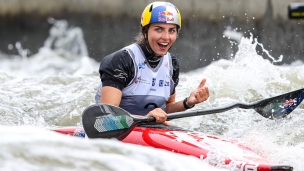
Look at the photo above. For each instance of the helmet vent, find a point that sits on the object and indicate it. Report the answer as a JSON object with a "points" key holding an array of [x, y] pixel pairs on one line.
{"points": [[151, 7]]}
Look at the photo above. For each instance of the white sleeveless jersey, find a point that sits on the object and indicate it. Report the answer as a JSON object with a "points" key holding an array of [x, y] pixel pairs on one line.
{"points": [[150, 87]]}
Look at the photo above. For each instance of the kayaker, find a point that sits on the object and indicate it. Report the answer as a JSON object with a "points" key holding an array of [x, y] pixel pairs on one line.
{"points": [[141, 78]]}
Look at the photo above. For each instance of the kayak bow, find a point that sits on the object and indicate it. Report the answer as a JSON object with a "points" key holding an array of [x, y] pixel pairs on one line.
{"points": [[216, 151]]}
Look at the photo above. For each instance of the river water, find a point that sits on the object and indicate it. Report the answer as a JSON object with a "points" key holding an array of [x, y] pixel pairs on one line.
{"points": [[53, 87]]}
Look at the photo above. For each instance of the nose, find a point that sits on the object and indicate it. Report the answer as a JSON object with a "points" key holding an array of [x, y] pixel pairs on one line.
{"points": [[165, 35]]}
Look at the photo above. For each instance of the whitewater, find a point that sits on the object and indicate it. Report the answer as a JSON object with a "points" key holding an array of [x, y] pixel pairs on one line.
{"points": [[52, 87]]}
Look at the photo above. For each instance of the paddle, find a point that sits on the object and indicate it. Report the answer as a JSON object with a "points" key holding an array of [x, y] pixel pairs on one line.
{"points": [[106, 121]]}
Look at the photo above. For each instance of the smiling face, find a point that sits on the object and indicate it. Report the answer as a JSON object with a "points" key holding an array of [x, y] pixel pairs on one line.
{"points": [[161, 37]]}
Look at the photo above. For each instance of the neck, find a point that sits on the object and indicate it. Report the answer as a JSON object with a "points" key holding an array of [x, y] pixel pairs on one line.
{"points": [[152, 59]]}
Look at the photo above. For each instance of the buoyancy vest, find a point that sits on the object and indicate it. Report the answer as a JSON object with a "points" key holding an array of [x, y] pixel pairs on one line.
{"points": [[150, 88]]}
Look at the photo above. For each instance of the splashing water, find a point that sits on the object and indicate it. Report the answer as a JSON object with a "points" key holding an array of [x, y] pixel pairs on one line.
{"points": [[52, 88], [64, 52], [247, 78], [66, 40]]}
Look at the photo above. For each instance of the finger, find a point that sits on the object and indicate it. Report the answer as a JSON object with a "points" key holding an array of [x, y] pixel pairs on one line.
{"points": [[161, 117], [162, 111], [167, 123], [205, 93], [207, 90], [161, 120], [202, 95]]}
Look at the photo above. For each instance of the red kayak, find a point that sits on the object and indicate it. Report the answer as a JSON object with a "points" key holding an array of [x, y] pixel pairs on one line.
{"points": [[217, 151], [108, 121]]}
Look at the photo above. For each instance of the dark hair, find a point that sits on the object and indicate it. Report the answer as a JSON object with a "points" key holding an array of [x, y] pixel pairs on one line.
{"points": [[141, 36]]}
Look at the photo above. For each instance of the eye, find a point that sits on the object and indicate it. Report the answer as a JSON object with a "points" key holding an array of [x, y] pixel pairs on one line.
{"points": [[173, 30], [158, 29]]}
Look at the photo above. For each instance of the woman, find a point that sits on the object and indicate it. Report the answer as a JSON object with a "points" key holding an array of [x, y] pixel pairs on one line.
{"points": [[141, 78]]}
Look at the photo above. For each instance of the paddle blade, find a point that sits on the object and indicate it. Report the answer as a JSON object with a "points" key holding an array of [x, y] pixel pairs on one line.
{"points": [[106, 121], [280, 106]]}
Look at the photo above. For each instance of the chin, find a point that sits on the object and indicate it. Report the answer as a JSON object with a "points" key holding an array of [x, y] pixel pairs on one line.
{"points": [[162, 53]]}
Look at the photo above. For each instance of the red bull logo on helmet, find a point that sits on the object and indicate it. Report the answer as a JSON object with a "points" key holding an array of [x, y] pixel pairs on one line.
{"points": [[165, 16]]}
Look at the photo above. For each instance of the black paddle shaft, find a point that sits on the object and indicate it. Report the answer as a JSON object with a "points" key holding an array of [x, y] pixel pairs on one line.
{"points": [[273, 108], [107, 121]]}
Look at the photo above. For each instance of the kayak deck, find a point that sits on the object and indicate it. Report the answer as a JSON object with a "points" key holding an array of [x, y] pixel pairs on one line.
{"points": [[216, 151]]}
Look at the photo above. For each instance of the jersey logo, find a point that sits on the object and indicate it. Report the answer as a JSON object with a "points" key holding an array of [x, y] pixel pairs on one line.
{"points": [[141, 65], [137, 80], [161, 83], [166, 65], [150, 104], [121, 74], [153, 81]]}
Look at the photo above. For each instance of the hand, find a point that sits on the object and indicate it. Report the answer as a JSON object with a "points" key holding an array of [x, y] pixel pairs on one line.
{"points": [[200, 94], [159, 115]]}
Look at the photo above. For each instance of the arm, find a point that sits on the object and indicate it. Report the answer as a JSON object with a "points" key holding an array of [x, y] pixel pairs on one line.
{"points": [[200, 94], [110, 95], [116, 71], [173, 106]]}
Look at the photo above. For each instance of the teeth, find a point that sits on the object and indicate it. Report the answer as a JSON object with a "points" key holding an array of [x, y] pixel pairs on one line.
{"points": [[165, 44]]}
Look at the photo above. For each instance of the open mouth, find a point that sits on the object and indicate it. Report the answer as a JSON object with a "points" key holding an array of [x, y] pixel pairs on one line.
{"points": [[163, 45]]}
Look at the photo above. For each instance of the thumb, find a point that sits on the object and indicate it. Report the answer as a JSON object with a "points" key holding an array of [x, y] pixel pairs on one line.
{"points": [[202, 84]]}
